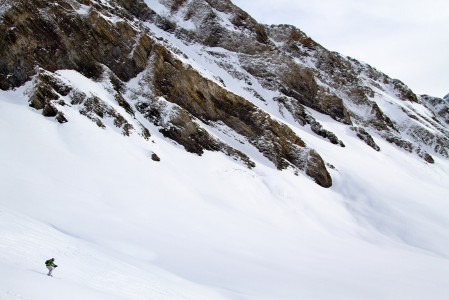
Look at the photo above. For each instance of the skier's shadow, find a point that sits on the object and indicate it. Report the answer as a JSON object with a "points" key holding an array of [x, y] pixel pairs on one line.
{"points": [[38, 272]]}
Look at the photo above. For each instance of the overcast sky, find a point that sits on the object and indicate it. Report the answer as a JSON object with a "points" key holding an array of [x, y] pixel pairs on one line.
{"points": [[406, 39]]}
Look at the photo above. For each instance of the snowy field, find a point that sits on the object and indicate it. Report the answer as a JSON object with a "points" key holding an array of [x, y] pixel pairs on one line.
{"points": [[122, 226]]}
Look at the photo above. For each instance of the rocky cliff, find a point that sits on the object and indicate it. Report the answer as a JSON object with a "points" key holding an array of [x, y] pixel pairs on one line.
{"points": [[195, 69]]}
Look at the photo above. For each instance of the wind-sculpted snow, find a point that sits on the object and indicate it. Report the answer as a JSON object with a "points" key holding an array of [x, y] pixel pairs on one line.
{"points": [[142, 143]]}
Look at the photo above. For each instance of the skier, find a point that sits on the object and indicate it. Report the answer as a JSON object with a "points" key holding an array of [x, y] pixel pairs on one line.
{"points": [[50, 265]]}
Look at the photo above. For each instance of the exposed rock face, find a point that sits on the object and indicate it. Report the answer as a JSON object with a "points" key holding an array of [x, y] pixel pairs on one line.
{"points": [[300, 114], [179, 125], [315, 170], [54, 36], [155, 157], [47, 90], [403, 91], [279, 72], [50, 94], [438, 106], [250, 37], [366, 137], [188, 99], [209, 102], [360, 86]]}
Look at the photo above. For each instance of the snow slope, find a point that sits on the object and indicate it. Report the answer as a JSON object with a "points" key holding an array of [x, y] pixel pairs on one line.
{"points": [[122, 226]]}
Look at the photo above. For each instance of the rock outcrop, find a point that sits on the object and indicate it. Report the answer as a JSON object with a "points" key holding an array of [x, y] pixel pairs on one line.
{"points": [[205, 65], [366, 137]]}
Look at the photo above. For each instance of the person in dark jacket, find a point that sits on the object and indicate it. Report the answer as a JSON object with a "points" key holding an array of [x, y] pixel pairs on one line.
{"points": [[50, 264]]}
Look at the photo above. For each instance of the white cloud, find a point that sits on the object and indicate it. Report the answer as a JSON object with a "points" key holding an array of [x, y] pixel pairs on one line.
{"points": [[408, 40]]}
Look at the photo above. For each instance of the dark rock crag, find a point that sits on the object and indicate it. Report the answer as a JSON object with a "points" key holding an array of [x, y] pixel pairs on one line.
{"points": [[110, 41]]}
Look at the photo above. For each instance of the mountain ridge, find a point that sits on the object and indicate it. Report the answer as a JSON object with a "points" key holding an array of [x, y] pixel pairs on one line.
{"points": [[280, 57], [143, 143], [289, 72]]}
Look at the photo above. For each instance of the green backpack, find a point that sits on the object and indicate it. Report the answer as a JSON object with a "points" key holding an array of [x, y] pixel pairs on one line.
{"points": [[49, 263]]}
